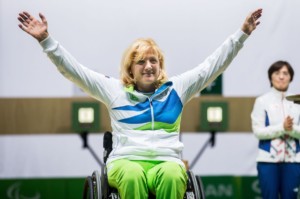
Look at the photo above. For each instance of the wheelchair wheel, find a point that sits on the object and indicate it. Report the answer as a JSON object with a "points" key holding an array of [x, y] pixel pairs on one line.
{"points": [[97, 185], [92, 187], [194, 186], [88, 192], [201, 187]]}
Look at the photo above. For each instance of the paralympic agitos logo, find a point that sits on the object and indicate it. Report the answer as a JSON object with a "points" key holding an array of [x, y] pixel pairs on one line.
{"points": [[15, 192]]}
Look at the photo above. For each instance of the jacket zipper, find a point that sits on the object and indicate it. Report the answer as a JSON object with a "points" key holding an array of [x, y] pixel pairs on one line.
{"points": [[152, 114], [151, 107], [284, 137]]}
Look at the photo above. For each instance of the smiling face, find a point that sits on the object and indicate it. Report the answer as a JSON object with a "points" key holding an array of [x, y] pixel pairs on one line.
{"points": [[143, 66], [281, 79], [146, 72]]}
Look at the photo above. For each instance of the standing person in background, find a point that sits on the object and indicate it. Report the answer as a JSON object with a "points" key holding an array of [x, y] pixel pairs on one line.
{"points": [[276, 123], [145, 107]]}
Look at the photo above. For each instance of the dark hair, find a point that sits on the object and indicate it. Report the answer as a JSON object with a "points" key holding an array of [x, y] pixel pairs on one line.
{"points": [[277, 66]]}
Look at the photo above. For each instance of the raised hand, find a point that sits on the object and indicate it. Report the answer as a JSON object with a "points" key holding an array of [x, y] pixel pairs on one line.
{"points": [[37, 29], [251, 21]]}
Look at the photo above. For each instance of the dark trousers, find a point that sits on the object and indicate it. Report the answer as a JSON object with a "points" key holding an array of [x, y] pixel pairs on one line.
{"points": [[279, 179]]}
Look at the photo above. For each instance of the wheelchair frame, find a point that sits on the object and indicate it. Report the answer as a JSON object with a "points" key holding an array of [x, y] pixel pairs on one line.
{"points": [[96, 186]]}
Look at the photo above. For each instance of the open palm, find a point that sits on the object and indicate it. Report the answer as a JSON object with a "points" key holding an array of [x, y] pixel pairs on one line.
{"points": [[252, 21], [36, 28]]}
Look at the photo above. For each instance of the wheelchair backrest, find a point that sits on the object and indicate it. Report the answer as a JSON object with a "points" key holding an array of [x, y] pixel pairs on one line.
{"points": [[107, 145]]}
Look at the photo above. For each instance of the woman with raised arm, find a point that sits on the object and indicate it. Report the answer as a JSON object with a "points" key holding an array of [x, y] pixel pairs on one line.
{"points": [[145, 106]]}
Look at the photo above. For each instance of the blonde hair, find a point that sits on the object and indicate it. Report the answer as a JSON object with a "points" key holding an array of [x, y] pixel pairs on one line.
{"points": [[137, 51]]}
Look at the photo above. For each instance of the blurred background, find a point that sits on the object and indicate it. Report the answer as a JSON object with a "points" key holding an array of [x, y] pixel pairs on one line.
{"points": [[42, 154]]}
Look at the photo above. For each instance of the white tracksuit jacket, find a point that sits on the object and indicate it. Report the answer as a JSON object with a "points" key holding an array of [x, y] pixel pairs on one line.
{"points": [[276, 144], [145, 128]]}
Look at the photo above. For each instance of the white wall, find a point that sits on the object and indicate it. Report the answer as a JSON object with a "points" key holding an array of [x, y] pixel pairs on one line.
{"points": [[31, 156], [96, 32]]}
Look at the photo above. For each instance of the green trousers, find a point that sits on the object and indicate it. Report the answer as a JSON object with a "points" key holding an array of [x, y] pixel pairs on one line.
{"points": [[134, 179]]}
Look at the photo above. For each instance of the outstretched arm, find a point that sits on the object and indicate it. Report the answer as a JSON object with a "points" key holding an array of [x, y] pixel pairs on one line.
{"points": [[95, 84], [34, 27], [193, 81], [252, 20]]}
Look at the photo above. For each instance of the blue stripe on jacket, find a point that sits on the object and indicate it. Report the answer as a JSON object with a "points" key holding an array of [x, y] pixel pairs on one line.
{"points": [[265, 144]]}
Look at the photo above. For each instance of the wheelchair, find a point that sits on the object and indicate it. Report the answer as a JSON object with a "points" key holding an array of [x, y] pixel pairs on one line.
{"points": [[96, 186]]}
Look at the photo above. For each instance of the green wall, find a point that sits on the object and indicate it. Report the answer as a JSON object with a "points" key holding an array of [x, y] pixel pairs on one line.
{"points": [[216, 187]]}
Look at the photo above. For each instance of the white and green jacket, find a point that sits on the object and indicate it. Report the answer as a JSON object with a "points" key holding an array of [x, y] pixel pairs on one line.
{"points": [[143, 127]]}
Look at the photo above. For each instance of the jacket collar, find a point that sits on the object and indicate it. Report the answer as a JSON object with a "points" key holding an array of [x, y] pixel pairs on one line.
{"points": [[278, 93], [140, 97]]}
